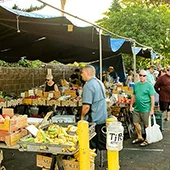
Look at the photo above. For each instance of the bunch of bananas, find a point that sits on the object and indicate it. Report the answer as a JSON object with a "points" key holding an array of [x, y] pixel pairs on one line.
{"points": [[56, 134], [92, 155]]}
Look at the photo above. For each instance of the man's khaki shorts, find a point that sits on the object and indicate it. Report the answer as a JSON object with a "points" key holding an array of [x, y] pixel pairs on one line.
{"points": [[139, 117]]}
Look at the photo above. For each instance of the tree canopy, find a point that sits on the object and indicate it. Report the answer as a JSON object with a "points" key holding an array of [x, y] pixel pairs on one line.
{"points": [[145, 21]]}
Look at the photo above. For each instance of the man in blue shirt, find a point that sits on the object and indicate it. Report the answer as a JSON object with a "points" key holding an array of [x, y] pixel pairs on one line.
{"points": [[94, 107]]}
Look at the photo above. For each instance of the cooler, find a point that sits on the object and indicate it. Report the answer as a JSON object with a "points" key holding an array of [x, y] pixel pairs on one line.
{"points": [[158, 116]]}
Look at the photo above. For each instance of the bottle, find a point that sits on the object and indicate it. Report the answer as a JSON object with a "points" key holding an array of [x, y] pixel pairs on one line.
{"points": [[115, 132]]}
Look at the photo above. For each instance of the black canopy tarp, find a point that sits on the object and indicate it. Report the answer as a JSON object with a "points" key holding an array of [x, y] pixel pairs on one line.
{"points": [[47, 39], [35, 36]]}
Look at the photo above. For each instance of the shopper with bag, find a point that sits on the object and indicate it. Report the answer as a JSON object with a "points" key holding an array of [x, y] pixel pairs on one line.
{"points": [[153, 132], [143, 100]]}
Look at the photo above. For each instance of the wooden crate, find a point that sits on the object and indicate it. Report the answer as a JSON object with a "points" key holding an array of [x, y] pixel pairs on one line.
{"points": [[65, 103], [12, 138], [115, 110], [53, 103], [39, 102], [126, 88], [10, 125], [2, 104], [73, 103], [72, 93], [57, 94], [79, 102], [27, 101]]}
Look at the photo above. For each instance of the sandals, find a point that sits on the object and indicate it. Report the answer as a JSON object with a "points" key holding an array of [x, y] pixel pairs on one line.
{"points": [[145, 143], [137, 141]]}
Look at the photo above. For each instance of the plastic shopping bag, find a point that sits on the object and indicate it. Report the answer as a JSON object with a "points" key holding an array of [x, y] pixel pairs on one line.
{"points": [[153, 133]]}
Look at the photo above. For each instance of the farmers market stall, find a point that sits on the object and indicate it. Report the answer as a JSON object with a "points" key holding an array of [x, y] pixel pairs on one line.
{"points": [[48, 137]]}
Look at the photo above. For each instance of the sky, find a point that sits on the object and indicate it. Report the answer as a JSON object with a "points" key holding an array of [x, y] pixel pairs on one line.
{"points": [[90, 10]]}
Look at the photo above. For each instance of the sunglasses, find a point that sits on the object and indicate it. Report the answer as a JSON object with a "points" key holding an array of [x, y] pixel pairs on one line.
{"points": [[167, 70], [47, 79], [142, 75]]}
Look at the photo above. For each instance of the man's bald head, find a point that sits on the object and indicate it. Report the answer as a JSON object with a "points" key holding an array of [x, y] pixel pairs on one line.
{"points": [[88, 72]]}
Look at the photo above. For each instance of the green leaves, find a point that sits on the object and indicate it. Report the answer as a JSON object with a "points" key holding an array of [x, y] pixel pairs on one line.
{"points": [[145, 22]]}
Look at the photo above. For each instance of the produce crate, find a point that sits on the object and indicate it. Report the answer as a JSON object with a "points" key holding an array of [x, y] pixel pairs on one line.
{"points": [[2, 104], [13, 138], [10, 125], [53, 103], [45, 163], [73, 103], [73, 165], [115, 111], [65, 103], [39, 102], [72, 93], [52, 148], [27, 101], [14, 102], [79, 102]]}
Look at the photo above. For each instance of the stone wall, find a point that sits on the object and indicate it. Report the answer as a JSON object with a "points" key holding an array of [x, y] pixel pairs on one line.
{"points": [[17, 80]]}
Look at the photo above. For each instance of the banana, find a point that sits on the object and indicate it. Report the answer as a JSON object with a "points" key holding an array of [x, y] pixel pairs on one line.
{"points": [[71, 149]]}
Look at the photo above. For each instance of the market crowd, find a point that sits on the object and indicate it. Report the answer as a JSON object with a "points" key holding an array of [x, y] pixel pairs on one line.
{"points": [[151, 87]]}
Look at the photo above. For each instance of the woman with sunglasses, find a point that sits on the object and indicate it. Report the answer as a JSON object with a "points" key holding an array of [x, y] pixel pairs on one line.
{"points": [[50, 85], [162, 87]]}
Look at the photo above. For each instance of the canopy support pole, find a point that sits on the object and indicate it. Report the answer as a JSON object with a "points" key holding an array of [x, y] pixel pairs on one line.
{"points": [[100, 53], [151, 57], [134, 58]]}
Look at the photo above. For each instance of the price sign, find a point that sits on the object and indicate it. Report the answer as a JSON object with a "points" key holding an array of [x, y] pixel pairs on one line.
{"points": [[50, 95], [30, 92], [22, 95], [114, 140]]}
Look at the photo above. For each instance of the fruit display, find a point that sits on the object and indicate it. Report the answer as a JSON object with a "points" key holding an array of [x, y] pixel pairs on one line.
{"points": [[56, 135], [8, 100], [92, 155], [54, 138], [37, 97]]}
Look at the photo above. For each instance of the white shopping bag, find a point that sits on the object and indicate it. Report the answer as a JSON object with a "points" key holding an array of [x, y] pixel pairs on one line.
{"points": [[153, 133]]}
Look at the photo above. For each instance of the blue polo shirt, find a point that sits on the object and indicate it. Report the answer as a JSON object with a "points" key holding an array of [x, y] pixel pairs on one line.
{"points": [[94, 95]]}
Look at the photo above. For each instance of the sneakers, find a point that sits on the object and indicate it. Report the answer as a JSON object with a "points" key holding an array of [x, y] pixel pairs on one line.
{"points": [[166, 119]]}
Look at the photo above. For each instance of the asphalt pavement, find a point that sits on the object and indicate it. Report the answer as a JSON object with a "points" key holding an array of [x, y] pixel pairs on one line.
{"points": [[132, 157], [152, 157]]}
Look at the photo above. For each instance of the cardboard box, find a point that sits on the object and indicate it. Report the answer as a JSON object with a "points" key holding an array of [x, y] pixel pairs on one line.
{"points": [[45, 163], [73, 165], [8, 111]]}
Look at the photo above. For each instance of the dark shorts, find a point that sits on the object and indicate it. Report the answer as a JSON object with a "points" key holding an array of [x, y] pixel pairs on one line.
{"points": [[164, 106]]}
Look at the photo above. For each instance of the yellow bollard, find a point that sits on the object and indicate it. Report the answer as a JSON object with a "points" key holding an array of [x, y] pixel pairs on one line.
{"points": [[83, 137], [113, 160], [112, 156]]}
